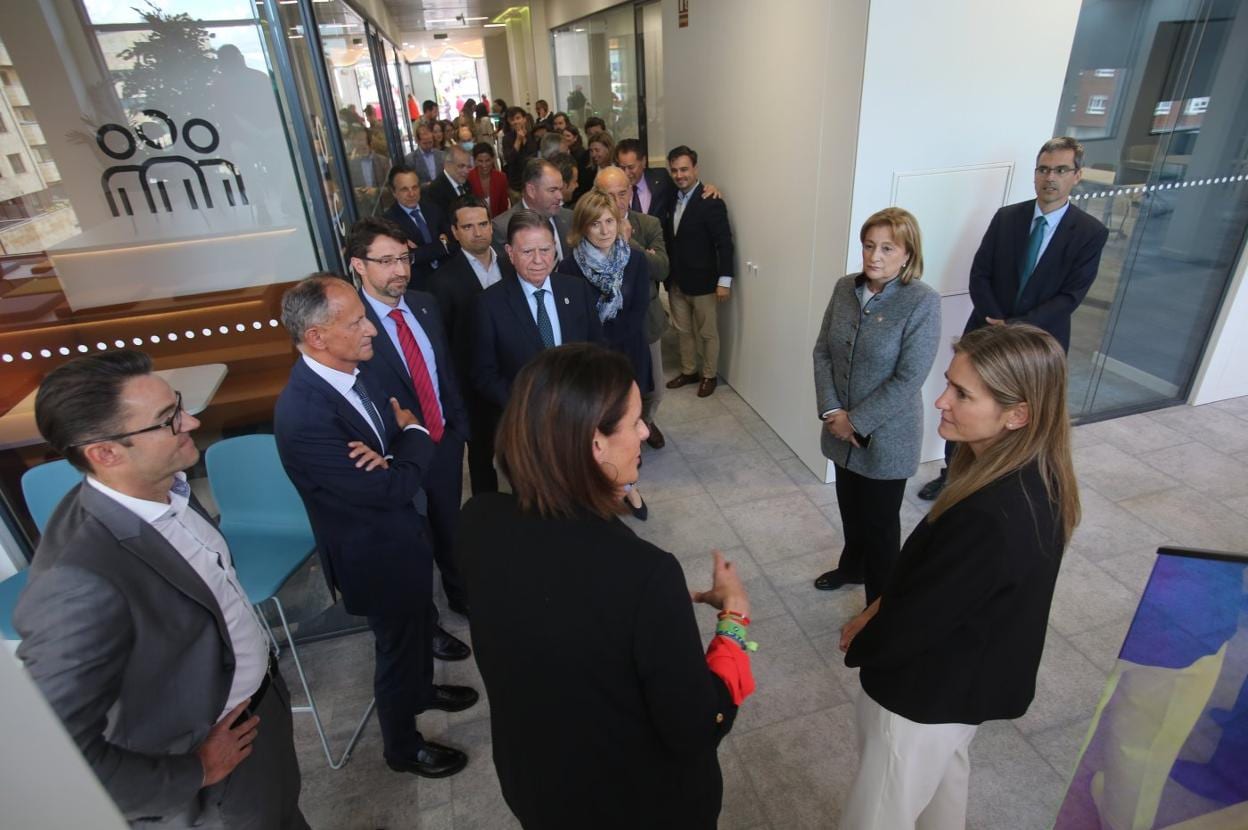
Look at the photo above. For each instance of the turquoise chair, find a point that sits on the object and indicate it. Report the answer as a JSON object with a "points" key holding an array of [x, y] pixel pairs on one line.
{"points": [[44, 487], [264, 522]]}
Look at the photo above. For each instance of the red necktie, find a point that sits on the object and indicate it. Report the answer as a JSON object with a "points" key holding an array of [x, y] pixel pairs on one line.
{"points": [[421, 382]]}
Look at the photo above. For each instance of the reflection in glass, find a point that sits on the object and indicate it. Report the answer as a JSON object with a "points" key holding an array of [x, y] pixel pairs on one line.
{"points": [[596, 70]]}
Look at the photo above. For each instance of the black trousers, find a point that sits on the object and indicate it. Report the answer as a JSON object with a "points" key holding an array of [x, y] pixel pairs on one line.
{"points": [[870, 517], [483, 421], [444, 487], [403, 677]]}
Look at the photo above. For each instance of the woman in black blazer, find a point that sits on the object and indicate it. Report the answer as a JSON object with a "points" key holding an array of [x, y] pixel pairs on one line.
{"points": [[956, 637], [605, 708]]}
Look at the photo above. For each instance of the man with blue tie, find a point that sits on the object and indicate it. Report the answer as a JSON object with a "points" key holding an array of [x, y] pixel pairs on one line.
{"points": [[412, 362], [519, 317], [1037, 260], [423, 225], [359, 461]]}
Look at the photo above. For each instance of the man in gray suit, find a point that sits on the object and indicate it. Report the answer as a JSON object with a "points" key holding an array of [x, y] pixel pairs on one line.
{"points": [[426, 159], [134, 624], [541, 191], [645, 234]]}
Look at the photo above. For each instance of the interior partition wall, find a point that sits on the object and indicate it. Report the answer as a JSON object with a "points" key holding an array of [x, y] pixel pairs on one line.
{"points": [[1157, 92]]}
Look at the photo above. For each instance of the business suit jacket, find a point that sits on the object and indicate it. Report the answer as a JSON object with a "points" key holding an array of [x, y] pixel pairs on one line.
{"points": [[563, 221], [873, 364], [496, 190], [662, 192], [457, 290], [626, 332], [416, 161], [648, 239], [129, 647], [441, 193], [1057, 286], [623, 736], [962, 621], [426, 257], [371, 537], [701, 250], [507, 336]]}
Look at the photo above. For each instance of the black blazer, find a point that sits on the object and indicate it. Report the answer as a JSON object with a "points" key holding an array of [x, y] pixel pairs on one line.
{"points": [[613, 722], [426, 256], [626, 332], [389, 369], [662, 191], [961, 624], [1058, 284], [441, 193], [371, 537], [507, 336], [701, 252], [457, 290]]}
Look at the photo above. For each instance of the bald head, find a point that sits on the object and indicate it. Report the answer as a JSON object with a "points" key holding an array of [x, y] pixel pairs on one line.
{"points": [[615, 183]]}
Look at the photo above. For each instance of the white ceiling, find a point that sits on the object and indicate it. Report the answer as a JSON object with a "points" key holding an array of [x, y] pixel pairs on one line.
{"points": [[418, 20]]}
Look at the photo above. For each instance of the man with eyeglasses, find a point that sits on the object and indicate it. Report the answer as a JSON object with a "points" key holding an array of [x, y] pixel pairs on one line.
{"points": [[1036, 261], [134, 624]]}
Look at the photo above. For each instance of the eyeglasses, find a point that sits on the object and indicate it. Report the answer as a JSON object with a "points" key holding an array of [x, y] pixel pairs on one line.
{"points": [[388, 261], [173, 423], [1060, 171]]}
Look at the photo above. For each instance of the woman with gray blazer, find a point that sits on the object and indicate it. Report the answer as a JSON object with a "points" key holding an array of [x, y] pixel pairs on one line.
{"points": [[875, 348]]}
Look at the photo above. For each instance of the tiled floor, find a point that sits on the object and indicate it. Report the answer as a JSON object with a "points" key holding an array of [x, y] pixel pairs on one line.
{"points": [[726, 480]]}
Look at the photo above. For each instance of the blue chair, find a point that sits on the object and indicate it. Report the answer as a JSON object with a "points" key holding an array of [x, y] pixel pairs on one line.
{"points": [[266, 526], [44, 487]]}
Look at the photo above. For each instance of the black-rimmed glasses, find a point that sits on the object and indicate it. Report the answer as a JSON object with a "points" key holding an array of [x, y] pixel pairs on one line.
{"points": [[173, 423]]}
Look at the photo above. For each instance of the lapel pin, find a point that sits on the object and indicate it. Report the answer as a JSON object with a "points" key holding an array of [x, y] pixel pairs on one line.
{"points": [[566, 301]]}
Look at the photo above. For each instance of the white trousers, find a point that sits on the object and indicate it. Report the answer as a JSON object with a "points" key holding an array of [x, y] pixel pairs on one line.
{"points": [[911, 776]]}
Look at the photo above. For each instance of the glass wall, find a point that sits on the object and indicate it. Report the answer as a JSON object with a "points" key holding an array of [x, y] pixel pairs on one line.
{"points": [[654, 136], [596, 70], [1158, 93]]}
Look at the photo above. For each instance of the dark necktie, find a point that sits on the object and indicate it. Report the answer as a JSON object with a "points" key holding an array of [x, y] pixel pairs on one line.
{"points": [[419, 219], [422, 383], [1033, 254], [373, 414], [544, 328], [636, 200]]}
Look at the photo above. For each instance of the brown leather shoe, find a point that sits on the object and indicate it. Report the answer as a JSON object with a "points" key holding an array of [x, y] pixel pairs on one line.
{"points": [[682, 380], [656, 439], [706, 387]]}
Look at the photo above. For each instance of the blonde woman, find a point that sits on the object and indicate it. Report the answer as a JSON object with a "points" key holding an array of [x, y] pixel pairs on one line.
{"points": [[956, 637]]}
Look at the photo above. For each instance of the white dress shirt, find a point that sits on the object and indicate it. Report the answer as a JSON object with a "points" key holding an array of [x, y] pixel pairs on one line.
{"points": [[552, 310], [203, 547], [486, 276], [344, 384]]}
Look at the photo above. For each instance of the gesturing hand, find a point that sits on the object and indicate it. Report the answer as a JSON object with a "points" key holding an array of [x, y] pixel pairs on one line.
{"points": [[227, 746], [726, 592], [405, 417], [366, 457]]}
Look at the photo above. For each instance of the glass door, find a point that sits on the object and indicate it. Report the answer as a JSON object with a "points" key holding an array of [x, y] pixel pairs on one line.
{"points": [[596, 70], [1158, 94]]}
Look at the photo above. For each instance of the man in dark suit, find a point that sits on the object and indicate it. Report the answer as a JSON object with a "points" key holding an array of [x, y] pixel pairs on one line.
{"points": [[541, 192], [453, 182], [1037, 260], [458, 286], [134, 624], [652, 191], [359, 461], [423, 225], [699, 243], [518, 318], [412, 363], [426, 159]]}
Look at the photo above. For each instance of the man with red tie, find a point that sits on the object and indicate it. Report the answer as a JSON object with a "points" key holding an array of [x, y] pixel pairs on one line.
{"points": [[412, 362]]}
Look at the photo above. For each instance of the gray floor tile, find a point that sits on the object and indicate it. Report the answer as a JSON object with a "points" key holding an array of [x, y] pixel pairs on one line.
{"points": [[687, 527], [683, 406], [714, 437], [1134, 434], [1012, 785], [1087, 597], [1132, 569], [819, 613], [741, 808], [1235, 406], [782, 527], [1102, 644], [1106, 529], [1191, 519], [764, 602], [741, 478], [1239, 505], [829, 648], [1061, 745], [1117, 475], [1068, 687], [1203, 468], [1207, 424], [667, 476], [776, 448], [810, 484]]}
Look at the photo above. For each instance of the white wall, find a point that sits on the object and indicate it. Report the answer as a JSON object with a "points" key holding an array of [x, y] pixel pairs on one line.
{"points": [[1224, 371]]}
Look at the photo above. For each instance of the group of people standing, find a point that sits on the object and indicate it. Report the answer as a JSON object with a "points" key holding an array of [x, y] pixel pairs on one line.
{"points": [[529, 335]]}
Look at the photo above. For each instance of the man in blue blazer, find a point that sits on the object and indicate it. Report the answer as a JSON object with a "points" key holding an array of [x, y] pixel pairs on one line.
{"points": [[518, 318], [359, 461], [412, 363], [423, 225], [1037, 260]]}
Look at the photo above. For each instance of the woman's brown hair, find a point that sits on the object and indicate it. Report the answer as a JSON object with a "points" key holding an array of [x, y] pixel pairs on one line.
{"points": [[546, 434], [1019, 364]]}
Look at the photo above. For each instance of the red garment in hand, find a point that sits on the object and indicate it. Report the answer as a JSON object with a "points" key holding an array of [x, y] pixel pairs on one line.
{"points": [[732, 665]]}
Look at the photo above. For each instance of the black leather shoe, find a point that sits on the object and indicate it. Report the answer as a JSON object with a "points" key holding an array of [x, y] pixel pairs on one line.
{"points": [[656, 439], [453, 698], [832, 580], [929, 491], [449, 648], [432, 761], [683, 380]]}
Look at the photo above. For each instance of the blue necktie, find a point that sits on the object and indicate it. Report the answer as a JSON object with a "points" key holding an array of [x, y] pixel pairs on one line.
{"points": [[1033, 254], [543, 320], [419, 219], [373, 415]]}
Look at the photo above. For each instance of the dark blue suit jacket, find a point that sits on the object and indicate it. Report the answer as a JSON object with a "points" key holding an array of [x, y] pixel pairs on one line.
{"points": [[389, 370], [372, 540], [626, 332], [507, 336], [426, 256], [1059, 283], [701, 251]]}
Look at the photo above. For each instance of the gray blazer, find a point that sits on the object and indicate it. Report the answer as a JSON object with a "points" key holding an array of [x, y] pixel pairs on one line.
{"points": [[872, 363], [648, 239], [415, 161], [563, 221], [128, 645]]}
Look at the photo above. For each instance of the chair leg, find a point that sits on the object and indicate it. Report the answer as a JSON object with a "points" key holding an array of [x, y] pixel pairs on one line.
{"points": [[311, 707]]}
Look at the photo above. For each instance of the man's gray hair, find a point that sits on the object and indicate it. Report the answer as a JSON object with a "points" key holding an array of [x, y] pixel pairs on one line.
{"points": [[551, 143], [306, 304], [453, 154], [1063, 142]]}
